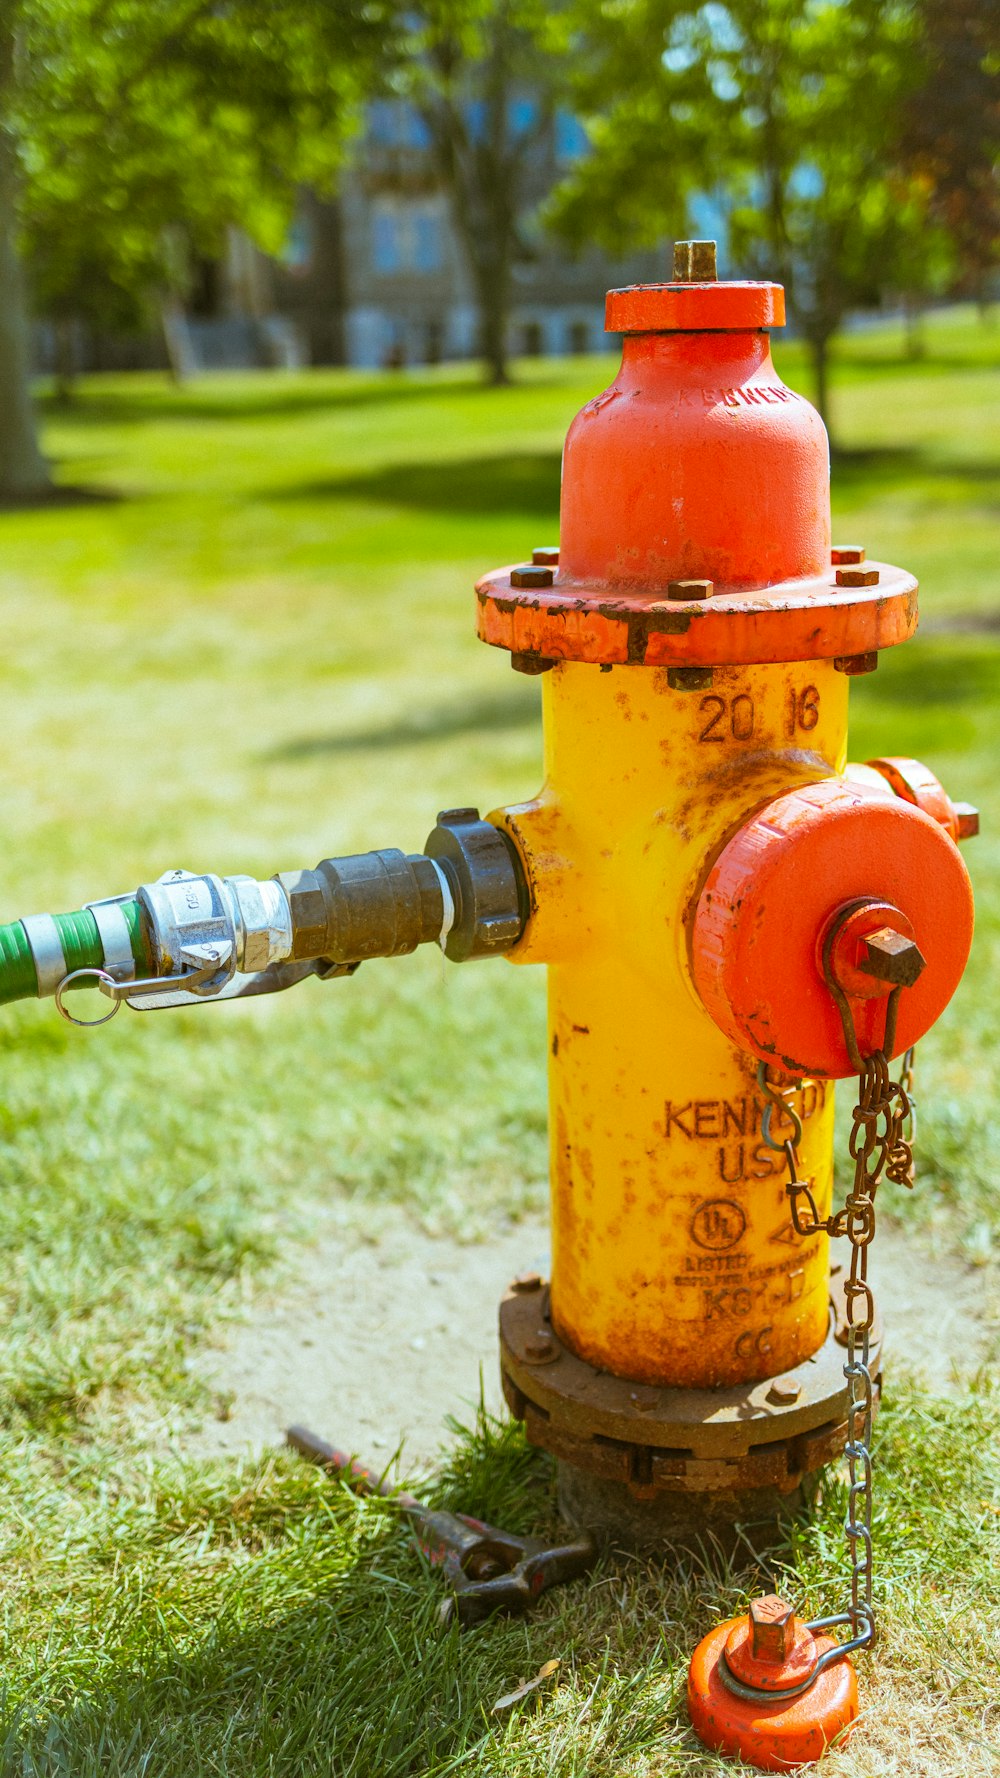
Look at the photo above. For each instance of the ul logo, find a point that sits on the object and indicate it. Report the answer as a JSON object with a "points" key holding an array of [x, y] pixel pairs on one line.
{"points": [[717, 1224]]}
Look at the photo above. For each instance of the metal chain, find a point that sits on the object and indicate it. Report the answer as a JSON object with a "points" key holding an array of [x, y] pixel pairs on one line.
{"points": [[879, 1148]]}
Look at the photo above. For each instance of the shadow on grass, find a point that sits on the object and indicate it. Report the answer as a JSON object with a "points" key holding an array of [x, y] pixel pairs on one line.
{"points": [[884, 468], [929, 676], [153, 402], [58, 497], [521, 482], [343, 1665], [516, 708]]}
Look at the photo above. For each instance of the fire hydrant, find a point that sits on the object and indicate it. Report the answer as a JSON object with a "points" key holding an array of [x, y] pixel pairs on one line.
{"points": [[732, 917]]}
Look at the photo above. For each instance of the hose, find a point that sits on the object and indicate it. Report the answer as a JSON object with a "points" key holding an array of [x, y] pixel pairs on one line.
{"points": [[37, 953]]}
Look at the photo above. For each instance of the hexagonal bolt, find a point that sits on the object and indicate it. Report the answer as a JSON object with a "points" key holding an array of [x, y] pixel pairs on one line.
{"points": [[967, 817], [545, 556], [532, 576], [891, 957], [842, 554], [784, 1391], [526, 1282], [532, 664], [856, 664], [857, 577], [695, 262], [689, 678], [539, 1347], [690, 589], [772, 1629]]}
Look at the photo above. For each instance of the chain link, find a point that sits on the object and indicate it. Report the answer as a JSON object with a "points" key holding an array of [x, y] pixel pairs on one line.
{"points": [[880, 1147]]}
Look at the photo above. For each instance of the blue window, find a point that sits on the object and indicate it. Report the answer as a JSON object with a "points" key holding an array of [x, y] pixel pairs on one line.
{"points": [[387, 254], [522, 115], [475, 118], [299, 245], [571, 137], [427, 245], [382, 121], [414, 131]]}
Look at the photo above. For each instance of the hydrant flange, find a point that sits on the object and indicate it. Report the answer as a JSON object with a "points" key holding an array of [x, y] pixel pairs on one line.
{"points": [[766, 1434], [795, 620]]}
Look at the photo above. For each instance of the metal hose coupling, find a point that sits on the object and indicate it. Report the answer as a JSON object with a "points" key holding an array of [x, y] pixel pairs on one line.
{"points": [[189, 939]]}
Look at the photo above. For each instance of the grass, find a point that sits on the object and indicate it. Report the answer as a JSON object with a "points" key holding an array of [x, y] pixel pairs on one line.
{"points": [[244, 641]]}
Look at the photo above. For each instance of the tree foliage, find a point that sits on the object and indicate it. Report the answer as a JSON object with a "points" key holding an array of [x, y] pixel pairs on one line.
{"points": [[790, 113], [950, 142], [486, 77], [136, 133]]}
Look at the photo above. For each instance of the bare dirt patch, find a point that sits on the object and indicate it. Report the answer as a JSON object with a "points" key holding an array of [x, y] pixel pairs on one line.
{"points": [[374, 1343]]}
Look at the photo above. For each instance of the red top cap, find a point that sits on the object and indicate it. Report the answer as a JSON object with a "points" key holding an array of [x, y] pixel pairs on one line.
{"points": [[690, 308]]}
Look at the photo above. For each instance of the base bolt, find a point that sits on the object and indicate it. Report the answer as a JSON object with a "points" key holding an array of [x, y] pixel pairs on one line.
{"points": [[690, 589], [689, 678], [843, 553], [532, 576], [545, 556], [526, 1281], [783, 1391], [540, 1347], [857, 576]]}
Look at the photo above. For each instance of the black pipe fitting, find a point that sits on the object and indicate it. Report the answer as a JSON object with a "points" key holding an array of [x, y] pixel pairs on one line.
{"points": [[467, 893], [487, 883]]}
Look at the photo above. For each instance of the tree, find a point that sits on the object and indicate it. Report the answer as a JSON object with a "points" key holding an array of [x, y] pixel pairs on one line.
{"points": [[485, 77], [127, 126], [792, 107], [950, 143]]}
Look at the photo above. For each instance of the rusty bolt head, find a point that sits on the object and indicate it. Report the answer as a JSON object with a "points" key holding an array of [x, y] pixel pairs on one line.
{"points": [[532, 664], [690, 589], [545, 557], [856, 664], [532, 576], [539, 1347], [844, 553], [784, 1391], [527, 1281], [890, 956], [689, 678], [857, 577], [967, 818], [695, 262], [772, 1629]]}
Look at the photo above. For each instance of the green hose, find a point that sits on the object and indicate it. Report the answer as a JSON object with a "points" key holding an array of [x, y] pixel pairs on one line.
{"points": [[82, 949]]}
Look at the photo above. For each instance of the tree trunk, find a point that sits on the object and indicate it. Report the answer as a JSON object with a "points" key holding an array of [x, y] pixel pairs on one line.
{"points": [[493, 291], [65, 333], [181, 355], [23, 470]]}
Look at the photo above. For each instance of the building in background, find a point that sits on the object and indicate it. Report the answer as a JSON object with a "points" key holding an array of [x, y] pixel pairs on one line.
{"points": [[376, 278]]}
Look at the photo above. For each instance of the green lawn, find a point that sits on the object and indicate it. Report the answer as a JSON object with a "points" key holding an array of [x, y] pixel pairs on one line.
{"points": [[244, 642]]}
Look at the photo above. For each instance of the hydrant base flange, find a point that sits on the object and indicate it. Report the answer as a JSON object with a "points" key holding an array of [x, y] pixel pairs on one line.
{"points": [[654, 1440]]}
